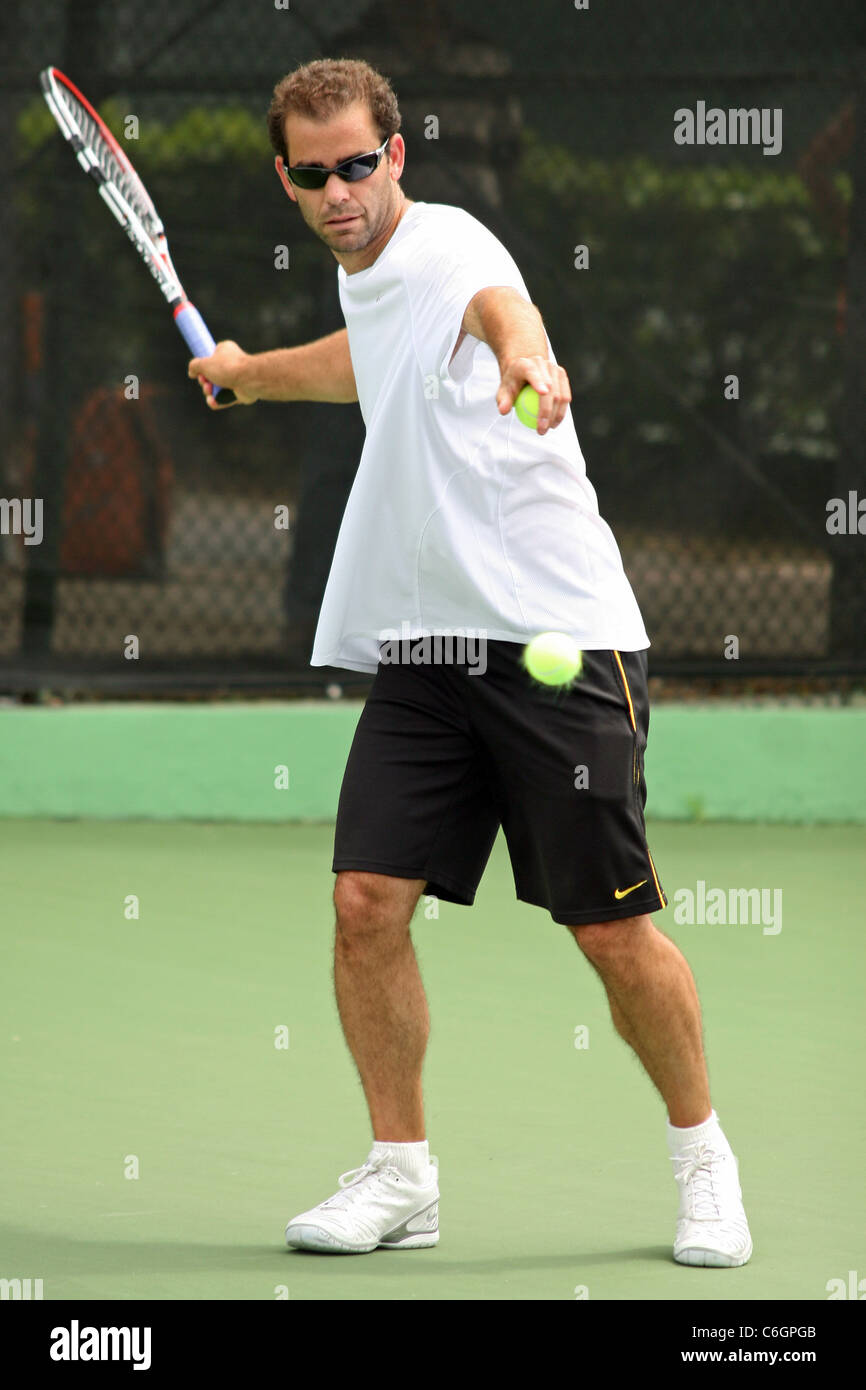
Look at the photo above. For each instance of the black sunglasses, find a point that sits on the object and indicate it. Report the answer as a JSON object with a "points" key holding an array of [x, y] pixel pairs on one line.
{"points": [[360, 166]]}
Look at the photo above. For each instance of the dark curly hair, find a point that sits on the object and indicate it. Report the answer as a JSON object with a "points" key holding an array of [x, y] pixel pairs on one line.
{"points": [[327, 86]]}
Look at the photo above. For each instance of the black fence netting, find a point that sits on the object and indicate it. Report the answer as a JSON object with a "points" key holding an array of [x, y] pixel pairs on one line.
{"points": [[683, 188]]}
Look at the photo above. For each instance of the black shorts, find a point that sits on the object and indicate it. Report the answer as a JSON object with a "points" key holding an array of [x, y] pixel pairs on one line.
{"points": [[444, 755]]}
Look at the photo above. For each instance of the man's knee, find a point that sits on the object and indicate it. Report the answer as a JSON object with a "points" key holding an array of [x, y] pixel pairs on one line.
{"points": [[370, 904], [601, 941]]}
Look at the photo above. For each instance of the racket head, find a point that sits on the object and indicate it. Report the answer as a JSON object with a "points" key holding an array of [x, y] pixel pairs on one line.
{"points": [[104, 159]]}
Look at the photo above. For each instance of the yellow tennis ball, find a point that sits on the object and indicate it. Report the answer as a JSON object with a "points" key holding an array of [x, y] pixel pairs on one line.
{"points": [[526, 407], [553, 658]]}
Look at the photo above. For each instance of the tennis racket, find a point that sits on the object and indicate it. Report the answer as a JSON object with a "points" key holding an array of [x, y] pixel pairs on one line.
{"points": [[122, 190]]}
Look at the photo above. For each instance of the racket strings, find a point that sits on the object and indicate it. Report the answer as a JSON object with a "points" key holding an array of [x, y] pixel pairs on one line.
{"points": [[124, 179]]}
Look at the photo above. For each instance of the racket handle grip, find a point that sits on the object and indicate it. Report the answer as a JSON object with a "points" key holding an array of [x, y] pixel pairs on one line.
{"points": [[196, 333]]}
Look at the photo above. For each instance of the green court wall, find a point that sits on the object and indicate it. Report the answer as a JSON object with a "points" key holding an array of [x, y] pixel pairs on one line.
{"points": [[272, 761]]}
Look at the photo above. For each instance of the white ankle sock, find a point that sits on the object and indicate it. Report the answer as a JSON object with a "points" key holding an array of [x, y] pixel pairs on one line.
{"points": [[411, 1159], [680, 1138]]}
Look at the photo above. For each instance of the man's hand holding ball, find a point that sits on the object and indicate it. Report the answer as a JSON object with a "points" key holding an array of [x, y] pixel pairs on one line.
{"points": [[537, 390]]}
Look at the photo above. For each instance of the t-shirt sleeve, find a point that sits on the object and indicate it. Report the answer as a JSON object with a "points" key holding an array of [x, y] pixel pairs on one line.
{"points": [[443, 275]]}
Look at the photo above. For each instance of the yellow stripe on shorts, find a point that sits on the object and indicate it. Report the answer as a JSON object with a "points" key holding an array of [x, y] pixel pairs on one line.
{"points": [[662, 899]]}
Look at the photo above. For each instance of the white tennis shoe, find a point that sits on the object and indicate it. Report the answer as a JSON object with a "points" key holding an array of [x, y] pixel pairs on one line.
{"points": [[712, 1229], [377, 1206]]}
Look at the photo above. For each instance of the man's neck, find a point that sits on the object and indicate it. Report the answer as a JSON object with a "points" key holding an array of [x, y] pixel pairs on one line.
{"points": [[402, 208]]}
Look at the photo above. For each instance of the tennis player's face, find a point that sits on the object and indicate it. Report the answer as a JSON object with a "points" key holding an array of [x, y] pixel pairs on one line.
{"points": [[354, 219]]}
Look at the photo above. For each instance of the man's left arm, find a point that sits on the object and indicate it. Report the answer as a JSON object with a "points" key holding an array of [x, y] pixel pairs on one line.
{"points": [[514, 331]]}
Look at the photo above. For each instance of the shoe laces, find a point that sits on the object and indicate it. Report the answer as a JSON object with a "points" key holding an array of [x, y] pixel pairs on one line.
{"points": [[696, 1169], [358, 1179]]}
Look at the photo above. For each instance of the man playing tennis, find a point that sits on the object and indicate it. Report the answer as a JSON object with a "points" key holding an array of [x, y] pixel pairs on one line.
{"points": [[461, 519]]}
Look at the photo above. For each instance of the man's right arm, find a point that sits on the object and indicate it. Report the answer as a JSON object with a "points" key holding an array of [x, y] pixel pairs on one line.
{"points": [[317, 371]]}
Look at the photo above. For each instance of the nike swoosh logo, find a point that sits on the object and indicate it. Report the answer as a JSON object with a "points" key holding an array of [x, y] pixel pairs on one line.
{"points": [[624, 892], [424, 1220]]}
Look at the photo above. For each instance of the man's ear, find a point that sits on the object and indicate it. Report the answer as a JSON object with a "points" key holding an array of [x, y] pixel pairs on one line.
{"points": [[284, 180], [396, 156]]}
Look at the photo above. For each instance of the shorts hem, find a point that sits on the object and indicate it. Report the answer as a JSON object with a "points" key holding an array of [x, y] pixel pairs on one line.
{"points": [[464, 897], [606, 914]]}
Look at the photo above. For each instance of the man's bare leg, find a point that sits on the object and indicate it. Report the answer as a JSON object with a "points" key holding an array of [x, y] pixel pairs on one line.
{"points": [[380, 997], [654, 1006]]}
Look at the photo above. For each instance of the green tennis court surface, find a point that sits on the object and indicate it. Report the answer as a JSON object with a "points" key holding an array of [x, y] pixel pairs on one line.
{"points": [[151, 1042]]}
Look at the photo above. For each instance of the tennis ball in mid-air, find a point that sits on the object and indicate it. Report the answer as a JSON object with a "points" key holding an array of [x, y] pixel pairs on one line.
{"points": [[526, 407], [553, 658]]}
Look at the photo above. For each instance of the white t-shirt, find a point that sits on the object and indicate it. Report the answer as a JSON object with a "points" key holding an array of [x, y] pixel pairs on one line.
{"points": [[460, 520]]}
